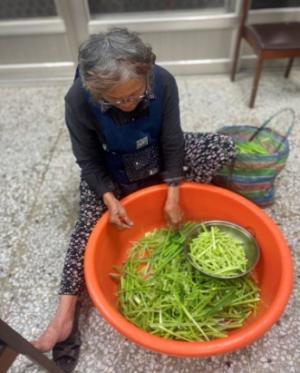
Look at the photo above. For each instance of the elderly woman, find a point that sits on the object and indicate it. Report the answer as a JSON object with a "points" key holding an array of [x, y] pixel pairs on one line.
{"points": [[122, 113]]}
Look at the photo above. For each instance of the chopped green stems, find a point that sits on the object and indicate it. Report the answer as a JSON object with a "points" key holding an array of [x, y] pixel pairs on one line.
{"points": [[218, 253], [160, 292], [251, 147]]}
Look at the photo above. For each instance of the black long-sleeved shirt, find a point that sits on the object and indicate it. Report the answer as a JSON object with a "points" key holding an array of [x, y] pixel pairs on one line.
{"points": [[87, 139]]}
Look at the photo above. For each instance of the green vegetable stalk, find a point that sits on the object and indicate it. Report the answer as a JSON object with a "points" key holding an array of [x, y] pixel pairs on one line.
{"points": [[218, 253], [161, 293], [250, 147]]}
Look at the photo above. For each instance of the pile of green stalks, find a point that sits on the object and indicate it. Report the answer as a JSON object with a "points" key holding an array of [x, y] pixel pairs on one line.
{"points": [[160, 292], [218, 253], [251, 147]]}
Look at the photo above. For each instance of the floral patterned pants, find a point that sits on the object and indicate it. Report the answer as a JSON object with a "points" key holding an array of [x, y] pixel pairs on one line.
{"points": [[205, 154]]}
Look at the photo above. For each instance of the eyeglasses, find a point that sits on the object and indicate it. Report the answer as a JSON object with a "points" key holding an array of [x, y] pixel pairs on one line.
{"points": [[133, 99]]}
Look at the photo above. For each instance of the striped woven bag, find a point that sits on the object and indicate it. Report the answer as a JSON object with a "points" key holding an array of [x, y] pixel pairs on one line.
{"points": [[252, 175]]}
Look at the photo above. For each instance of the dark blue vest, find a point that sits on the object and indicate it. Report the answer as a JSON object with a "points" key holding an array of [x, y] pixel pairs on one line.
{"points": [[131, 149]]}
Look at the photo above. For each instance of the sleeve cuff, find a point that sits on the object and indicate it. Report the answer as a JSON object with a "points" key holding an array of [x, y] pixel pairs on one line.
{"points": [[174, 175], [98, 185]]}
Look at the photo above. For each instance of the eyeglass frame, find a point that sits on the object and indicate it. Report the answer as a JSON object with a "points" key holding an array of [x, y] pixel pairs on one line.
{"points": [[133, 99]]}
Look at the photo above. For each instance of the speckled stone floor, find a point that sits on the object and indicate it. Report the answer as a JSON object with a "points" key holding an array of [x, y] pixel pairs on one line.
{"points": [[39, 198]]}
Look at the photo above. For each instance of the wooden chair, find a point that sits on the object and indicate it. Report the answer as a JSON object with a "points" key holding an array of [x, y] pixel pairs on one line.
{"points": [[12, 344], [269, 41]]}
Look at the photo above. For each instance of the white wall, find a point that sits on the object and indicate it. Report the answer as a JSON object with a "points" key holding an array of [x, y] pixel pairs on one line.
{"points": [[191, 42]]}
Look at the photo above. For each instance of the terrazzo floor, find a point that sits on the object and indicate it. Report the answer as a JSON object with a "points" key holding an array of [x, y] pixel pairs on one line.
{"points": [[39, 198]]}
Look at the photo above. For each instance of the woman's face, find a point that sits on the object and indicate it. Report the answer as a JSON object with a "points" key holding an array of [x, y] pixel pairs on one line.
{"points": [[126, 96]]}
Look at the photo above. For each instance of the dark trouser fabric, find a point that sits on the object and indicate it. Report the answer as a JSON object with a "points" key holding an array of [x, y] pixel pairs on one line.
{"points": [[205, 154]]}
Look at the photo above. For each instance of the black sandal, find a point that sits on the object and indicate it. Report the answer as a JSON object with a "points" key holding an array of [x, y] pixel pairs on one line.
{"points": [[66, 353]]}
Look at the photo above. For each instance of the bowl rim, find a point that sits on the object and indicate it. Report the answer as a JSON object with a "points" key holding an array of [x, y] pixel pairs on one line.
{"points": [[241, 337]]}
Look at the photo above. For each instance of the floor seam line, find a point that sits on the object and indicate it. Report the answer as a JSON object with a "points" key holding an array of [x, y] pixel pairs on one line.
{"points": [[30, 213]]}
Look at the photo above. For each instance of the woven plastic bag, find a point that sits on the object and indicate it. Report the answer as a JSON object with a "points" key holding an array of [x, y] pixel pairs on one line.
{"points": [[253, 175]]}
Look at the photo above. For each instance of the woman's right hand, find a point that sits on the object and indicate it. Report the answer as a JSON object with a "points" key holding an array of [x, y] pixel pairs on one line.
{"points": [[117, 213]]}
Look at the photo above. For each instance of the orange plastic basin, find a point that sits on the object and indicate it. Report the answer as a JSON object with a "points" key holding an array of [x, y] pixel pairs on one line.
{"points": [[108, 246]]}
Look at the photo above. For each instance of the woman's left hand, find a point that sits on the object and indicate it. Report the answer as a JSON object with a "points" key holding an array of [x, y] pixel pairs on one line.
{"points": [[173, 212]]}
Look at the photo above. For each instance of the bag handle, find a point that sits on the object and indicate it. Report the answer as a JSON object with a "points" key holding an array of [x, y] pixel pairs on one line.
{"points": [[266, 122]]}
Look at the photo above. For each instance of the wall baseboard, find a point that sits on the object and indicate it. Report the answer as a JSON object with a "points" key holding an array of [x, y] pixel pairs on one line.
{"points": [[37, 72]]}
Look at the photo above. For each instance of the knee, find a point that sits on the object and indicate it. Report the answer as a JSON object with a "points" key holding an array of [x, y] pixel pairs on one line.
{"points": [[227, 147]]}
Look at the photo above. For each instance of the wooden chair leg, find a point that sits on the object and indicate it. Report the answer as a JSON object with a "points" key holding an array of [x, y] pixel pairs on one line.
{"points": [[289, 67], [236, 56], [13, 343], [258, 70], [7, 356]]}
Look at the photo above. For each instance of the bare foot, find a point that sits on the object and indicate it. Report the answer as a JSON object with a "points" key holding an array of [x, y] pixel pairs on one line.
{"points": [[60, 327], [56, 331]]}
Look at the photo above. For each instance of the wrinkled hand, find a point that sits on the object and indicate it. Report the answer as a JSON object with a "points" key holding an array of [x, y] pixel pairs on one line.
{"points": [[117, 213], [172, 210]]}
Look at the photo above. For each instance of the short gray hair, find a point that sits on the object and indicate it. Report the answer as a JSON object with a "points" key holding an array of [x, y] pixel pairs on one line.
{"points": [[106, 59]]}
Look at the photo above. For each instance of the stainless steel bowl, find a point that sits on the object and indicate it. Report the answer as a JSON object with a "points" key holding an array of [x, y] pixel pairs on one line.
{"points": [[250, 245]]}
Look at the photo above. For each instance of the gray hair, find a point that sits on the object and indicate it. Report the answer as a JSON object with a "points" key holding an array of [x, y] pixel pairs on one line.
{"points": [[107, 59]]}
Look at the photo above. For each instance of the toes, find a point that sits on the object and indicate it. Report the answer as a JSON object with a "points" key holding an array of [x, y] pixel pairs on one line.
{"points": [[45, 342], [42, 346], [35, 344], [53, 334]]}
